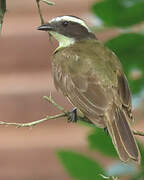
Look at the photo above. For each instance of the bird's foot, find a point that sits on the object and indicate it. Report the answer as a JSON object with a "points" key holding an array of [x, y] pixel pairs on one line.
{"points": [[106, 131], [72, 116]]}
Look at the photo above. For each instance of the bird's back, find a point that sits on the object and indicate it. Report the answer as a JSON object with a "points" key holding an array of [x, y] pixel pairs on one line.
{"points": [[89, 55]]}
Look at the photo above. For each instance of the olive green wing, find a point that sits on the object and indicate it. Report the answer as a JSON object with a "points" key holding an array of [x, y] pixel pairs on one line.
{"points": [[85, 84], [91, 79]]}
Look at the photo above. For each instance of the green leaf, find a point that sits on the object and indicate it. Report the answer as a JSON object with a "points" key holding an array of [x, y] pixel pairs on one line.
{"points": [[139, 176], [129, 48], [121, 13], [101, 141], [80, 167], [2, 11]]}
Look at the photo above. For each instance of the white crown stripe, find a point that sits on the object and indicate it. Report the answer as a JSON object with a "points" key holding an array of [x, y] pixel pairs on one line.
{"points": [[72, 19]]}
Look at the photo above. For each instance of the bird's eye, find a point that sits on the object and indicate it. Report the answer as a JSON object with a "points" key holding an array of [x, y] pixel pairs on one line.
{"points": [[65, 23]]}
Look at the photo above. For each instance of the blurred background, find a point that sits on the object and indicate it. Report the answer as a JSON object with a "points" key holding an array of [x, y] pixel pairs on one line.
{"points": [[25, 77]]}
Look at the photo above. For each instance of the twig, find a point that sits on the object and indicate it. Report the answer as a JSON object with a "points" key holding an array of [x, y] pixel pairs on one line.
{"points": [[48, 2], [39, 11], [109, 177], [138, 133], [33, 123], [50, 100], [64, 113]]}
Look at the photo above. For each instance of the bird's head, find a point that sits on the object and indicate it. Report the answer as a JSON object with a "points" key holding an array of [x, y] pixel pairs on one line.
{"points": [[67, 30]]}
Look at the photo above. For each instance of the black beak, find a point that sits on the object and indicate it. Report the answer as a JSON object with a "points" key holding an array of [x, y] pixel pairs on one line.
{"points": [[46, 27]]}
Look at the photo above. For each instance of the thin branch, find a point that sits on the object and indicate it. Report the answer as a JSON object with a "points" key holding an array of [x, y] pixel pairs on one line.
{"points": [[48, 2], [39, 11], [109, 177], [64, 113], [138, 133], [33, 123], [50, 100]]}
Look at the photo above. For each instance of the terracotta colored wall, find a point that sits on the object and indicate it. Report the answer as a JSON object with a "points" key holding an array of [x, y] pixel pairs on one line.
{"points": [[25, 78], [27, 154]]}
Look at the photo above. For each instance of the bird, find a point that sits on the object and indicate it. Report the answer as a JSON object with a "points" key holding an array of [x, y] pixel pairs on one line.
{"points": [[92, 78]]}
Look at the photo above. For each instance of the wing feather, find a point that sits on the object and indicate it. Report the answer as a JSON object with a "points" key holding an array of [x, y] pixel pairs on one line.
{"points": [[124, 93]]}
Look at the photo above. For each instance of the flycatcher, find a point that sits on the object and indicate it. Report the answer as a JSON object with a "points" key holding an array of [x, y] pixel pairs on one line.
{"points": [[91, 77]]}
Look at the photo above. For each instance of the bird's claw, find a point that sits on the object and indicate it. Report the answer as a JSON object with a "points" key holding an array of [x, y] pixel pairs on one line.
{"points": [[72, 116]]}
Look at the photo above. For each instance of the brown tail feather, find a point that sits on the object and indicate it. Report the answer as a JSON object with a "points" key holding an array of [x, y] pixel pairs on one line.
{"points": [[117, 141], [121, 134]]}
